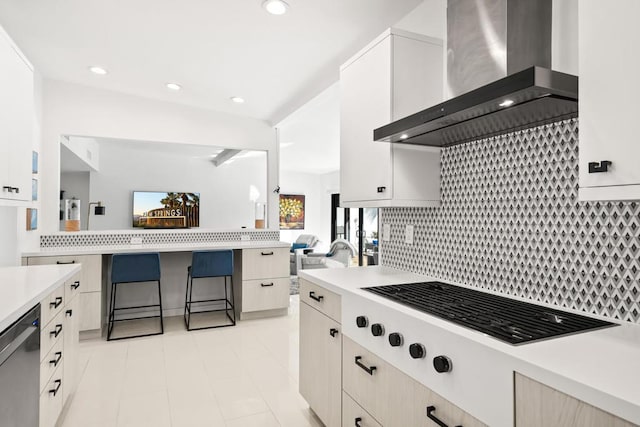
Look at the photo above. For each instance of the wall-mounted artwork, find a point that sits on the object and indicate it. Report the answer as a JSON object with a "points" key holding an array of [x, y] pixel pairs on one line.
{"points": [[291, 212], [34, 189], [32, 219], [34, 162]]}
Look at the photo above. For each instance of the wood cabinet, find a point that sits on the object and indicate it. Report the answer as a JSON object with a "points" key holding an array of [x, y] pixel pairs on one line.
{"points": [[16, 124], [354, 415], [320, 379], [427, 402], [609, 90], [261, 282], [89, 287], [396, 75], [539, 405], [59, 339]]}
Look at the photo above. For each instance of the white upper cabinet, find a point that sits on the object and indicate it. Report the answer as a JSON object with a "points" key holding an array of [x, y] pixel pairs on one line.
{"points": [[398, 74], [608, 101], [16, 124]]}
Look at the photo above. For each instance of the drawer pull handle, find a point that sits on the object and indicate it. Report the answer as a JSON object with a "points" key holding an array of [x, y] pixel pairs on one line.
{"points": [[56, 303], [266, 285], [75, 285], [381, 189], [56, 332], [358, 421], [58, 383], [368, 369], [69, 313], [7, 188], [313, 296], [333, 332], [65, 262], [16, 189], [598, 167], [55, 361], [267, 253], [430, 411]]}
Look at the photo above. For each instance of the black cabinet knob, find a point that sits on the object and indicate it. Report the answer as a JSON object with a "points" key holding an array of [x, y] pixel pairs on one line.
{"points": [[442, 364], [362, 321], [377, 329], [395, 339], [417, 351]]}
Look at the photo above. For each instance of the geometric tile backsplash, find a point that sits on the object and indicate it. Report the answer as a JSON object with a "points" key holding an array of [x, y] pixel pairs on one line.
{"points": [[510, 221]]}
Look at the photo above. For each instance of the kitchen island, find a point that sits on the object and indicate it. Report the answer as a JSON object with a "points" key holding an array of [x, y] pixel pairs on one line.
{"points": [[588, 374]]}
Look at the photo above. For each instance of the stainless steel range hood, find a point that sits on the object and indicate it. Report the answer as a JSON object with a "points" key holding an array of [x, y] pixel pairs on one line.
{"points": [[499, 55]]}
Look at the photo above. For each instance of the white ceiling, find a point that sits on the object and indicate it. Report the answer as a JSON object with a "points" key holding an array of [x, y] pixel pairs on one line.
{"points": [[215, 49]]}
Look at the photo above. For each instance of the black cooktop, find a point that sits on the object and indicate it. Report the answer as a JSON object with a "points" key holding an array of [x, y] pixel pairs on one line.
{"points": [[506, 319]]}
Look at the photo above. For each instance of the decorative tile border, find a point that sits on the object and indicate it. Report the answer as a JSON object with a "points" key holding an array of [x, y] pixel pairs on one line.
{"points": [[162, 238], [510, 221]]}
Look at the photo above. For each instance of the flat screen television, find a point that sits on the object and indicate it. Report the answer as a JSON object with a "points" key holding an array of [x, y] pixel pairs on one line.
{"points": [[155, 209]]}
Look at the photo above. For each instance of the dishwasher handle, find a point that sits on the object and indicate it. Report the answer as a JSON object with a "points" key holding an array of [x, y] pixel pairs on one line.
{"points": [[16, 343]]}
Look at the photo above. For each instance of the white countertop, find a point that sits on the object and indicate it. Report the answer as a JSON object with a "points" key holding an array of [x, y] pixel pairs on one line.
{"points": [[21, 288], [169, 247], [600, 367]]}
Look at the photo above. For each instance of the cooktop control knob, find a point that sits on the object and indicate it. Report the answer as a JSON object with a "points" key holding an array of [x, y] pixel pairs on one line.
{"points": [[442, 364], [395, 339], [417, 351], [377, 329], [362, 321]]}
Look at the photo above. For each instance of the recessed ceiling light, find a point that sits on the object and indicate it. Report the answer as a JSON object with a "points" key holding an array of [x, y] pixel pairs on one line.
{"points": [[275, 7], [174, 86], [237, 99], [98, 70], [506, 103], [404, 136]]}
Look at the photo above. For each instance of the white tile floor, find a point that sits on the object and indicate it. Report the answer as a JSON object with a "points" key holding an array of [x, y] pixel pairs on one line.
{"points": [[245, 375]]}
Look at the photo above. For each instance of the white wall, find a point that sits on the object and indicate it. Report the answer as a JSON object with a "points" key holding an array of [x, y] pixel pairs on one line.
{"points": [[317, 190], [127, 167], [70, 109]]}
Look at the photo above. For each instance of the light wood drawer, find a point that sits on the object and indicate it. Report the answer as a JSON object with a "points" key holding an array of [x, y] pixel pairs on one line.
{"points": [[72, 288], [265, 294], [51, 306], [91, 274], [440, 408], [321, 299], [51, 334], [265, 263], [51, 399], [50, 363], [354, 415], [90, 309], [379, 388]]}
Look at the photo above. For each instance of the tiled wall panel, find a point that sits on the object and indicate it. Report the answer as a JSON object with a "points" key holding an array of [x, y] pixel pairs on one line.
{"points": [[511, 221]]}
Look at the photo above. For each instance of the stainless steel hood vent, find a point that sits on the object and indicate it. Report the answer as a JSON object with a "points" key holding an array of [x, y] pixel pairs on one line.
{"points": [[498, 72]]}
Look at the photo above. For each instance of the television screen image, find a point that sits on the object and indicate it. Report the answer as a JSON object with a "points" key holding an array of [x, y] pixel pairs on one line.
{"points": [[154, 209]]}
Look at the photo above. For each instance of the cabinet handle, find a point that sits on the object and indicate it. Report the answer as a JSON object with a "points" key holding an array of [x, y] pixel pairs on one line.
{"points": [[58, 383], [69, 313], [75, 285], [382, 189], [598, 167], [16, 189], [55, 361], [7, 188], [368, 369], [358, 421], [313, 296], [266, 285], [430, 410], [267, 253], [56, 332], [333, 332], [64, 263], [56, 303]]}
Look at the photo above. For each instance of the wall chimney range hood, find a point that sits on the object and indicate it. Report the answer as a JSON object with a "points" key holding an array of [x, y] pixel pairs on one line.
{"points": [[498, 76], [527, 98]]}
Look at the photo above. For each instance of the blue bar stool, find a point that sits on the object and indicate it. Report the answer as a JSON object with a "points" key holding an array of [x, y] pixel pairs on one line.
{"points": [[210, 264], [132, 268]]}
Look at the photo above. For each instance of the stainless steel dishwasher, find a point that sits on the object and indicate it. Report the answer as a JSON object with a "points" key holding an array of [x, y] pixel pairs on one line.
{"points": [[20, 371]]}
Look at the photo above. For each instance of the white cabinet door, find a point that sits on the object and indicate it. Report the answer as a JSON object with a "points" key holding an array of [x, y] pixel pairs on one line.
{"points": [[17, 112], [608, 102]]}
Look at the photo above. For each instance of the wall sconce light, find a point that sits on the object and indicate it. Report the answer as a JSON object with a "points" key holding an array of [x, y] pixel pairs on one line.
{"points": [[98, 210]]}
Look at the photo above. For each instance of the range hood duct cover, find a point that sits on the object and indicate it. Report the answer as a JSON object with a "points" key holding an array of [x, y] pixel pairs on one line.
{"points": [[497, 51]]}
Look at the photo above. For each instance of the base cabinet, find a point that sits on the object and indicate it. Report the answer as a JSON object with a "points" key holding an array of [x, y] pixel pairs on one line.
{"points": [[320, 376], [539, 405], [354, 415]]}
